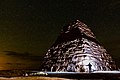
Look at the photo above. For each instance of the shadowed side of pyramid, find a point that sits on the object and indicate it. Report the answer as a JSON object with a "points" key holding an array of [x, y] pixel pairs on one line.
{"points": [[77, 50], [73, 31]]}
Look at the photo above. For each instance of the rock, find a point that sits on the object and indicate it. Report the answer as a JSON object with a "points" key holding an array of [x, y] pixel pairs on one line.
{"points": [[77, 50]]}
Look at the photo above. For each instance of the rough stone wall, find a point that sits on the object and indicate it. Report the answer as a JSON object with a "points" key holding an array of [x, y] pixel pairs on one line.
{"points": [[77, 50]]}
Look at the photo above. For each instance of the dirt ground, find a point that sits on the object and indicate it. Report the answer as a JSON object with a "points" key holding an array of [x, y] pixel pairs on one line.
{"points": [[33, 78]]}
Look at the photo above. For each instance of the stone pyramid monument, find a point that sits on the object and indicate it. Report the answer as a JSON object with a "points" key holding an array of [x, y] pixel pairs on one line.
{"points": [[77, 50]]}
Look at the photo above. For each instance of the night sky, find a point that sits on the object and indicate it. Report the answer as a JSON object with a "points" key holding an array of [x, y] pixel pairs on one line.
{"points": [[29, 27]]}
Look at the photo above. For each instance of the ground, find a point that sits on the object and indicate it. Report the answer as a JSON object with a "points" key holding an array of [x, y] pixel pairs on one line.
{"points": [[33, 78]]}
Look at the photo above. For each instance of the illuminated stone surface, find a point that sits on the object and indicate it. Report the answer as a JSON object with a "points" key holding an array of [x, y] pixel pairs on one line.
{"points": [[77, 50]]}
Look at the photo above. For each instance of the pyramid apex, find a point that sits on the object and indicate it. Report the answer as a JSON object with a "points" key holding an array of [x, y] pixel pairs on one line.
{"points": [[83, 28]]}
